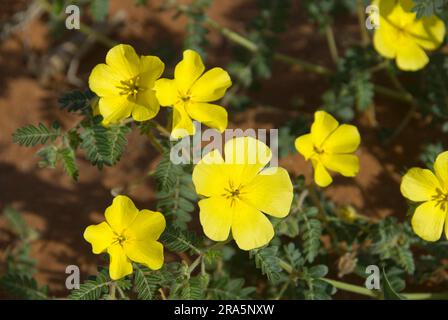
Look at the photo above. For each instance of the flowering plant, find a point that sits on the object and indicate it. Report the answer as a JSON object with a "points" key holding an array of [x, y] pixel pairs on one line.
{"points": [[242, 216]]}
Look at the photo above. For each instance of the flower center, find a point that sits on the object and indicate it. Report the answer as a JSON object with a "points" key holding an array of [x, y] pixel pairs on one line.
{"points": [[318, 150], [441, 199], [130, 87], [233, 193], [120, 239]]}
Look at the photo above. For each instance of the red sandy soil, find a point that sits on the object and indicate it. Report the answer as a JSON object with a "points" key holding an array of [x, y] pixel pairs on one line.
{"points": [[61, 209]]}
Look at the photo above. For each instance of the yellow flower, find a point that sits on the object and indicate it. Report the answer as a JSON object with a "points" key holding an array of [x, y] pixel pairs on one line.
{"points": [[125, 85], [401, 36], [238, 190], [128, 235], [190, 92], [421, 185], [330, 146]]}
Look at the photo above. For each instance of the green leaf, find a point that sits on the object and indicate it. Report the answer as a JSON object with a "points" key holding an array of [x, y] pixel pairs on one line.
{"points": [[179, 241], [267, 260], [104, 146], [99, 9], [23, 286], [225, 288], [31, 135], [19, 225], [92, 289], [427, 8], [166, 173], [318, 271], [144, 286], [195, 288], [311, 231], [388, 291], [49, 156], [76, 100], [68, 159]]}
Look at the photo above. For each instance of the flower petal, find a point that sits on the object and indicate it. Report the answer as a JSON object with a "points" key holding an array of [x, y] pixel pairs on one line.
{"points": [[100, 236], [124, 61], [321, 175], [209, 177], [151, 68], [182, 124], [324, 124], [251, 229], [216, 217], [410, 56], [427, 221], [146, 107], [441, 169], [383, 40], [103, 80], [148, 253], [211, 86], [304, 145], [188, 71], [345, 164], [419, 185], [209, 114], [247, 156], [345, 139], [120, 266], [121, 213], [114, 109], [166, 92], [148, 225], [428, 32], [270, 192]]}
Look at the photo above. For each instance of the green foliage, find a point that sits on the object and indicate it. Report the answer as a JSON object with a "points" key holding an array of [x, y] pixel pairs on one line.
{"points": [[176, 194], [351, 86], [23, 286], [311, 230], [32, 135], [388, 290], [435, 92], [17, 256], [104, 146], [179, 241], [146, 281], [196, 31], [267, 260], [92, 289], [77, 100], [430, 153], [225, 288], [428, 7], [392, 240], [99, 9], [67, 156]]}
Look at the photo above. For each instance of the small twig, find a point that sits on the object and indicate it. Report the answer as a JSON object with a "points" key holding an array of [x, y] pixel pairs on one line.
{"points": [[332, 44]]}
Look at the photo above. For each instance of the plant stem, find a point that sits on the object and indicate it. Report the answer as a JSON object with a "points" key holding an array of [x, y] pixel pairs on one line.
{"points": [[156, 144], [361, 21], [332, 44], [367, 292], [112, 290], [161, 129], [352, 288]]}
